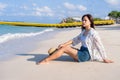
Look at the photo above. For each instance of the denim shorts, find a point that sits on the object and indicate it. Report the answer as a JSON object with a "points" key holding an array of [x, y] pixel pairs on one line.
{"points": [[83, 54]]}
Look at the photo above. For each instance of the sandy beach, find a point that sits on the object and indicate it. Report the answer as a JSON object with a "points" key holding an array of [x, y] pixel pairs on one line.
{"points": [[23, 66]]}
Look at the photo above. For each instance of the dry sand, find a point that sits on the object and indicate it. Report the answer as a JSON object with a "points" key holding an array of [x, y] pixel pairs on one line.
{"points": [[23, 66]]}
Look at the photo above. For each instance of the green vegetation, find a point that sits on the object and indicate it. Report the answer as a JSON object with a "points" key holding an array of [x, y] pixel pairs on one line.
{"points": [[115, 15], [68, 20], [98, 19]]}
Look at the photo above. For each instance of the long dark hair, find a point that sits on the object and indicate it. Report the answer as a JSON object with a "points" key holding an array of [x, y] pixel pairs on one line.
{"points": [[89, 16]]}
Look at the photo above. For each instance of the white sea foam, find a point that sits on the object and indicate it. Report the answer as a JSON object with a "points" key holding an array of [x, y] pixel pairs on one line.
{"points": [[9, 36]]}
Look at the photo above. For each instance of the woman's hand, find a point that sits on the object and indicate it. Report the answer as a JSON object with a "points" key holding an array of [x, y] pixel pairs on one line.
{"points": [[61, 45], [65, 44], [107, 61]]}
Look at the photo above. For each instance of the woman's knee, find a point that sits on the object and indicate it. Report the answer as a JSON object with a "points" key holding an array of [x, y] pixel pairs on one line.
{"points": [[65, 48]]}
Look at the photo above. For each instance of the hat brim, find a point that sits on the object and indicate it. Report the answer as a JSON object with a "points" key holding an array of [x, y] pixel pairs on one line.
{"points": [[51, 51]]}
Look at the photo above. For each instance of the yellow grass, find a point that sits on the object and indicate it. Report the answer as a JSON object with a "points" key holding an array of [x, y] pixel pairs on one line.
{"points": [[104, 22]]}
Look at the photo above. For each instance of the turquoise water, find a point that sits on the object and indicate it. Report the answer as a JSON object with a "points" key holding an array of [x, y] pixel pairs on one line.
{"points": [[18, 29], [18, 39]]}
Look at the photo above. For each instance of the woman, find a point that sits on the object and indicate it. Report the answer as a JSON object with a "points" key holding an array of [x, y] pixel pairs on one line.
{"points": [[90, 41]]}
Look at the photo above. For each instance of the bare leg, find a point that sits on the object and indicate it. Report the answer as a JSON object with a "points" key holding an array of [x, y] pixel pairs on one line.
{"points": [[68, 50]]}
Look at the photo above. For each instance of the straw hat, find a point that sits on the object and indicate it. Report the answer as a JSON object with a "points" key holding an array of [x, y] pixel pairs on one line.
{"points": [[51, 51]]}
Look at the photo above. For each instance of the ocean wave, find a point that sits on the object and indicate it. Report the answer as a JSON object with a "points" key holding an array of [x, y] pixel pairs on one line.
{"points": [[10, 36]]}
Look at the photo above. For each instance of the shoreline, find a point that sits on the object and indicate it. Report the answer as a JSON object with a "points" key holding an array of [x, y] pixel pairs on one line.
{"points": [[24, 67]]}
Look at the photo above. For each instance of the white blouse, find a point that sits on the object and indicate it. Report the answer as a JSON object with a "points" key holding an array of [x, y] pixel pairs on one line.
{"points": [[83, 40], [93, 43]]}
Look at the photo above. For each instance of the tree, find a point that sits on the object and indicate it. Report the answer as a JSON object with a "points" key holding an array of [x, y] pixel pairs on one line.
{"points": [[114, 15], [97, 19], [68, 20]]}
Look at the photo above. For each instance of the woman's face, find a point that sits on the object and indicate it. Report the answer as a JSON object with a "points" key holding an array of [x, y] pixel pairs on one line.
{"points": [[86, 22]]}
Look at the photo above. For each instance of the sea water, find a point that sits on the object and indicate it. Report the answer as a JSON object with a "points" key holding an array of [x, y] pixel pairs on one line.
{"points": [[18, 39]]}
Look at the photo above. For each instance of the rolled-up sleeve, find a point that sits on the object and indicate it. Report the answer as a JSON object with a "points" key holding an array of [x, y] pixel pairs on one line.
{"points": [[99, 45], [76, 40]]}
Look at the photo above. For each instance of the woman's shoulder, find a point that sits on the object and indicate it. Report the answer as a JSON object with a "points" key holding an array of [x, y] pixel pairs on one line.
{"points": [[93, 32]]}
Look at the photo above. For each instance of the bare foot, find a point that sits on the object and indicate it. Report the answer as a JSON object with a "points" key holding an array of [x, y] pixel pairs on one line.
{"points": [[107, 61], [43, 62]]}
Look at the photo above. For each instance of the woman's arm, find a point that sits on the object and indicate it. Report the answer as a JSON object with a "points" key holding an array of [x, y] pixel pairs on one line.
{"points": [[65, 44], [73, 41], [101, 49]]}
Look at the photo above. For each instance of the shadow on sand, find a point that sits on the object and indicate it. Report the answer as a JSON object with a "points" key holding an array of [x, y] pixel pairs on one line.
{"points": [[38, 57]]}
